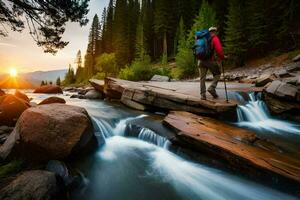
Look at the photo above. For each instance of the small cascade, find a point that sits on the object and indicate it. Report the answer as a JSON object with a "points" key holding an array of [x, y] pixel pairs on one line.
{"points": [[254, 114], [153, 138], [121, 126]]}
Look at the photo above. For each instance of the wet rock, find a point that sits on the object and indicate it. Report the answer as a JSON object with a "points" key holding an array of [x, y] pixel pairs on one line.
{"points": [[264, 80], [50, 132], [293, 67], [49, 89], [93, 94], [2, 93], [70, 89], [60, 169], [37, 184], [21, 95], [11, 107], [6, 129], [160, 78], [3, 138], [51, 100], [297, 58], [283, 73], [33, 104], [78, 96], [97, 84]]}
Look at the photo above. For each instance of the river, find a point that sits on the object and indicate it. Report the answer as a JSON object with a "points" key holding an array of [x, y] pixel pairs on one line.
{"points": [[141, 166]]}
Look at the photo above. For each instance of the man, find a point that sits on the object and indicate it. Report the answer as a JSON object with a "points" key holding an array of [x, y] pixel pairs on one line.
{"points": [[211, 64]]}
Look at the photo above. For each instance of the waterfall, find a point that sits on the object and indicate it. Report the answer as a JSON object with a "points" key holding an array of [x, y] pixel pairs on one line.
{"points": [[254, 114], [104, 130], [151, 137], [121, 126]]}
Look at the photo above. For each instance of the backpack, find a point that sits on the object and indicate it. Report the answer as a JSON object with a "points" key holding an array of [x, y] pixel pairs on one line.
{"points": [[202, 47]]}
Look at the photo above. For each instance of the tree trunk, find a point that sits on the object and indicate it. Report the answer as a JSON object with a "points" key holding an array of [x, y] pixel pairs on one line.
{"points": [[165, 45]]}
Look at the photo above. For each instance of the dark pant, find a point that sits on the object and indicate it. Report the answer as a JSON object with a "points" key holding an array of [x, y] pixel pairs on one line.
{"points": [[213, 67]]}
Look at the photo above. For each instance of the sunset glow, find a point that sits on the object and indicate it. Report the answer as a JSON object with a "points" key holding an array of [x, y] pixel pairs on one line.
{"points": [[13, 72]]}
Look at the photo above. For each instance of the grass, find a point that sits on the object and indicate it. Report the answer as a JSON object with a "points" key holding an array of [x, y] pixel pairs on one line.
{"points": [[10, 168]]}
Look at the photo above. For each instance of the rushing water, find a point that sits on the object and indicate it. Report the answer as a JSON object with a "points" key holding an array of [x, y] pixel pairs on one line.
{"points": [[142, 167], [254, 114]]}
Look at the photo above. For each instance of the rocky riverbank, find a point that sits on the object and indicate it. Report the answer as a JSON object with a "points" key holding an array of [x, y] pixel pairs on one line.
{"points": [[37, 134]]}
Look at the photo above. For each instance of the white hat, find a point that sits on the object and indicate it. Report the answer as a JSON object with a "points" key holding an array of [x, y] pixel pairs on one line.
{"points": [[213, 29]]}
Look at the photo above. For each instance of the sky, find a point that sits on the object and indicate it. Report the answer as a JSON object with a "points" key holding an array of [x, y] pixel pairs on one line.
{"points": [[19, 51]]}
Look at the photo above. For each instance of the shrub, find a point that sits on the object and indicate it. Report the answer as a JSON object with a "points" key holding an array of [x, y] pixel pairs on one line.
{"points": [[186, 66], [106, 63], [99, 76], [140, 70], [11, 168]]}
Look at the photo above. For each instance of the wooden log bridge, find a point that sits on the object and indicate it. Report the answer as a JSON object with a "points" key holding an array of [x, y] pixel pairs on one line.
{"points": [[234, 145], [150, 96]]}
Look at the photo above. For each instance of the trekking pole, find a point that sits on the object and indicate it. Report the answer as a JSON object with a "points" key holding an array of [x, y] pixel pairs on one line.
{"points": [[224, 82]]}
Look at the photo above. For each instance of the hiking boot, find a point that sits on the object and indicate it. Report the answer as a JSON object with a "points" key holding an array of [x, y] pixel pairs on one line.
{"points": [[203, 97], [213, 93]]}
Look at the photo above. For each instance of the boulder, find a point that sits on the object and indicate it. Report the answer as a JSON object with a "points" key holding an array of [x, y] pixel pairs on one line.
{"points": [[293, 67], [297, 58], [48, 89], [160, 78], [97, 84], [283, 99], [50, 132], [283, 73], [21, 95], [2, 93], [36, 184], [52, 100], [264, 80], [79, 96], [11, 107], [93, 94]]}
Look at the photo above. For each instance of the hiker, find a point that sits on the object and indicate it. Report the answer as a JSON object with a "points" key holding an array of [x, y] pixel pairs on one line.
{"points": [[209, 58]]}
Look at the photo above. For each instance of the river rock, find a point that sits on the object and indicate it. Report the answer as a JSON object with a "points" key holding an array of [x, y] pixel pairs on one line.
{"points": [[97, 84], [11, 107], [160, 78], [21, 95], [297, 58], [2, 93], [51, 100], [49, 89], [93, 94], [264, 80], [36, 184], [50, 132], [293, 67]]}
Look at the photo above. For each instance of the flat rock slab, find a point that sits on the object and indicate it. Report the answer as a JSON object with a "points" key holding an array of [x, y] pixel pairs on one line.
{"points": [[232, 144], [137, 94]]}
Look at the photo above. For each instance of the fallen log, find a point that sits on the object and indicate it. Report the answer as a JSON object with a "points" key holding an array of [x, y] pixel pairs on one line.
{"points": [[234, 145]]}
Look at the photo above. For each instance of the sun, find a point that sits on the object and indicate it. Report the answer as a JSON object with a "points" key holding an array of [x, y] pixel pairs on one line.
{"points": [[13, 72]]}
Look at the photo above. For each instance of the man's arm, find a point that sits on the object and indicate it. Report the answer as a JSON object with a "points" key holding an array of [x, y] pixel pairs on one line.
{"points": [[218, 47]]}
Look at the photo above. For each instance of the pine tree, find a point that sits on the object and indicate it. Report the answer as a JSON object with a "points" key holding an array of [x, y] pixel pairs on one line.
{"points": [[42, 83], [235, 42], [79, 71], [140, 42], [69, 76], [205, 19], [134, 13], [108, 33], [180, 38], [147, 18], [163, 22], [120, 39], [256, 25], [94, 37], [58, 82]]}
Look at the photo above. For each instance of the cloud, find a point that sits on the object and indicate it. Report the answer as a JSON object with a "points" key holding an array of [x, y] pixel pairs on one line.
{"points": [[7, 45]]}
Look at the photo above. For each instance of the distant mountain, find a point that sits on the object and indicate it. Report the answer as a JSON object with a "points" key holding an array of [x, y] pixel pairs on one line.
{"points": [[45, 75], [31, 79]]}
